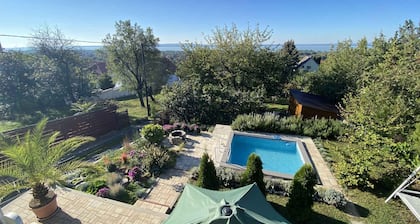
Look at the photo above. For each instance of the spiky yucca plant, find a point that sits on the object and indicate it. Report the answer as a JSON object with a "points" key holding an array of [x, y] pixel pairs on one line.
{"points": [[35, 159]]}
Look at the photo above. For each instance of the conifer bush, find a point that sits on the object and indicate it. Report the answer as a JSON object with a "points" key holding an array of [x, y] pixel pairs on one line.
{"points": [[207, 177], [300, 201], [254, 173]]}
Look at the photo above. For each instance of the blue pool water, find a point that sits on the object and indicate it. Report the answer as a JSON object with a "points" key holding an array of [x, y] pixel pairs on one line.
{"points": [[277, 155]]}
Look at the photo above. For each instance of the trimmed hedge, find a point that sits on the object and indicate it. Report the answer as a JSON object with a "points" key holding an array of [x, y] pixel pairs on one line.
{"points": [[270, 122]]}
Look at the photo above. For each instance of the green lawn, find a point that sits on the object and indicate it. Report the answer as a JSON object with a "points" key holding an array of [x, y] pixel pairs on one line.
{"points": [[322, 213], [9, 125], [276, 107], [135, 111]]}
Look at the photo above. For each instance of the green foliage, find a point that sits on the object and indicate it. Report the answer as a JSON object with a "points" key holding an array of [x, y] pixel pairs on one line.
{"points": [[270, 122], [333, 197], [94, 186], [105, 81], [154, 160], [229, 178], [35, 156], [125, 49], [83, 107], [190, 102], [207, 177], [119, 193], [300, 202], [153, 133], [254, 173]]}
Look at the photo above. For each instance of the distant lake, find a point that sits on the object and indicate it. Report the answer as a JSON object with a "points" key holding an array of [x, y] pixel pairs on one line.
{"points": [[177, 47]]}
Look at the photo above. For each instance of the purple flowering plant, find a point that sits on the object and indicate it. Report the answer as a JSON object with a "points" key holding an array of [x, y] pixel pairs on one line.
{"points": [[135, 173], [103, 192]]}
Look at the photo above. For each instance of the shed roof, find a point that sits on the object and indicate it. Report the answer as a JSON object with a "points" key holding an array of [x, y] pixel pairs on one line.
{"points": [[313, 101]]}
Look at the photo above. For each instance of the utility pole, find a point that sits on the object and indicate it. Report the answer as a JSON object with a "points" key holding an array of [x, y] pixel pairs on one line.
{"points": [[144, 80]]}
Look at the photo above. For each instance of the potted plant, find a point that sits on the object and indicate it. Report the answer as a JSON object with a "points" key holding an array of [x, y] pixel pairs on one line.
{"points": [[35, 164]]}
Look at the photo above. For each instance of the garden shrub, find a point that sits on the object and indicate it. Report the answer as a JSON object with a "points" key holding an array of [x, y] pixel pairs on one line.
{"points": [[336, 198], [111, 167], [254, 173], [300, 201], [113, 178], [270, 122], [154, 133], [135, 173], [119, 193], [103, 192], [154, 160], [278, 186], [95, 186], [229, 178], [207, 177]]}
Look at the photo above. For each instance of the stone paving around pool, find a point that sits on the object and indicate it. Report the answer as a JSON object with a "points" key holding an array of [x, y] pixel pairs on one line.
{"points": [[79, 207], [222, 133]]}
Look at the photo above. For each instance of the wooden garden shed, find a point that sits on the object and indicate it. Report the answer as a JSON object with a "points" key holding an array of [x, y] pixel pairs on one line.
{"points": [[309, 105]]}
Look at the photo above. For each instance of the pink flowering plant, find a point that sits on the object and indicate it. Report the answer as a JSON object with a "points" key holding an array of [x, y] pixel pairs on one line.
{"points": [[103, 192]]}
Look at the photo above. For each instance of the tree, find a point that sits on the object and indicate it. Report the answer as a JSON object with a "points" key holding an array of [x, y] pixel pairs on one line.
{"points": [[207, 177], [254, 173], [233, 58], [70, 74], [17, 84], [300, 201], [290, 57], [133, 57], [105, 81], [35, 159]]}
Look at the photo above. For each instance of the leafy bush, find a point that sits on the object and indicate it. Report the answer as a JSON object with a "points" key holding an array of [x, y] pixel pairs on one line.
{"points": [[154, 133], [336, 198], [117, 192], [135, 173], [254, 173], [95, 186], [278, 186], [113, 178], [229, 178], [111, 167], [300, 201], [270, 122], [207, 177], [154, 160]]}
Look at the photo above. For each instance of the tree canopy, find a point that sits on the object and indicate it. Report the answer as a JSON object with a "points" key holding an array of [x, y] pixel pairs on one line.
{"points": [[133, 57]]}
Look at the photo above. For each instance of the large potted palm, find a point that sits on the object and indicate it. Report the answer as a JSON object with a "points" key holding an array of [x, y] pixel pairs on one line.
{"points": [[35, 164]]}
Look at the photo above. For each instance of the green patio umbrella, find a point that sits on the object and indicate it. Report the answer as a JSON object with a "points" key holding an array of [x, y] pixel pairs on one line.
{"points": [[245, 205]]}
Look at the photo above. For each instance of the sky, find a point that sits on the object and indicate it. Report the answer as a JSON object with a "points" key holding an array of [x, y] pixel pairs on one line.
{"points": [[304, 21]]}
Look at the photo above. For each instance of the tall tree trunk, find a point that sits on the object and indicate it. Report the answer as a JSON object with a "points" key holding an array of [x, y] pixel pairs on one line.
{"points": [[150, 93], [140, 96]]}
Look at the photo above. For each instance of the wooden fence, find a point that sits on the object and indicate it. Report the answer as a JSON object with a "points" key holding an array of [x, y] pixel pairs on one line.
{"points": [[93, 124]]}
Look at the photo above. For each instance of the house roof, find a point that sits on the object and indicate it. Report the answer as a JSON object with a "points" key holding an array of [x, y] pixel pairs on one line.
{"points": [[304, 60], [313, 101], [99, 68]]}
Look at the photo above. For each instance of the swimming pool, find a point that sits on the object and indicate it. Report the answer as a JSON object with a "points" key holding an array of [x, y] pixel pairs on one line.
{"points": [[280, 156]]}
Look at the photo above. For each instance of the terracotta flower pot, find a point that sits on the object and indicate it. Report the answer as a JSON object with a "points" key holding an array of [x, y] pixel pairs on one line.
{"points": [[46, 211]]}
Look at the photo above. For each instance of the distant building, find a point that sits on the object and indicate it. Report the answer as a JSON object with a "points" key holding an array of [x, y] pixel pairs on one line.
{"points": [[309, 105], [308, 64], [98, 68]]}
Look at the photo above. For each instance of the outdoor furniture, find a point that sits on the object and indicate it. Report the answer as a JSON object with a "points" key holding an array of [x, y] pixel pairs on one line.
{"points": [[177, 137]]}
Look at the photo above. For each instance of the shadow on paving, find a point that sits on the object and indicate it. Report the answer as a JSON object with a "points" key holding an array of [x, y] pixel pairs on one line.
{"points": [[61, 217], [186, 162], [315, 218]]}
